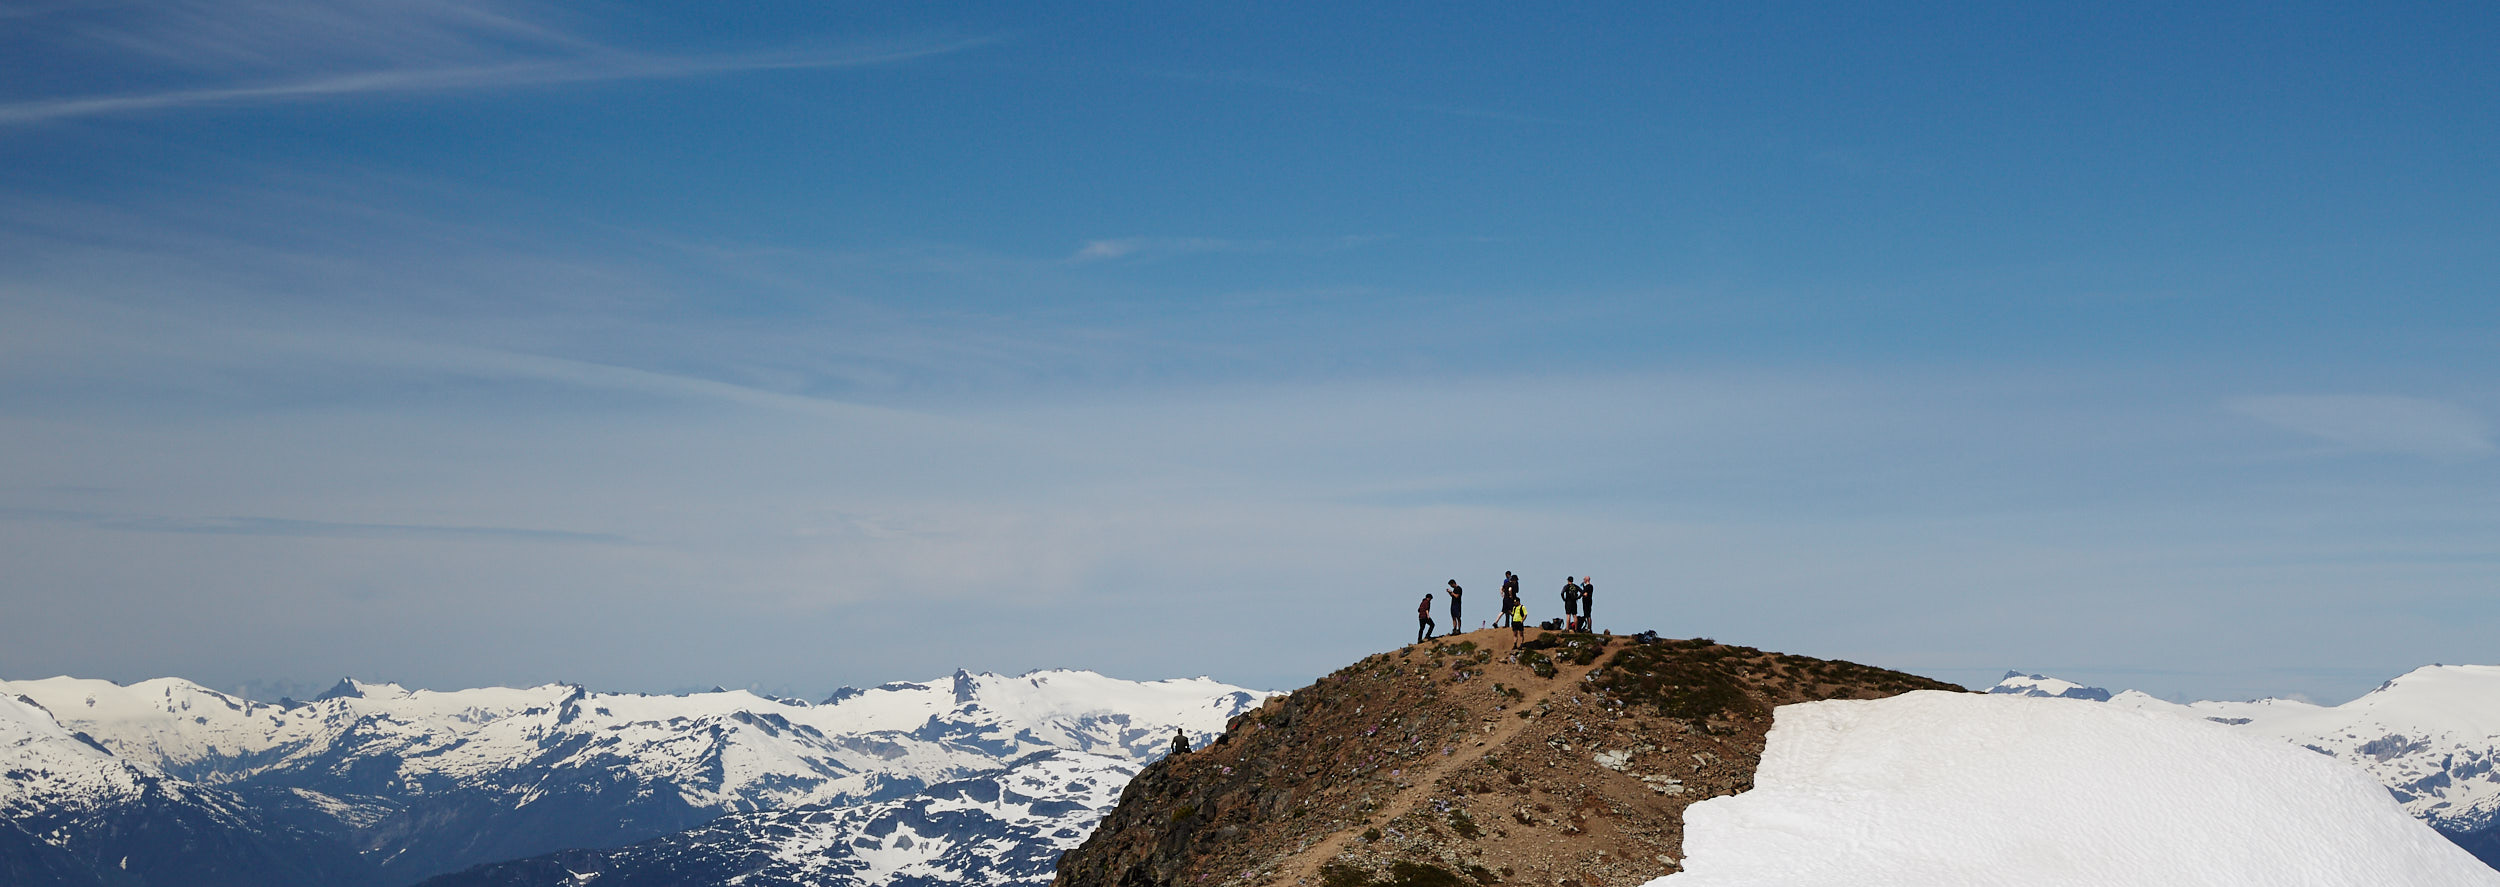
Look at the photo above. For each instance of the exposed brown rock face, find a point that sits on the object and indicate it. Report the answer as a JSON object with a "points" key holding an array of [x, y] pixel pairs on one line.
{"points": [[1461, 762]]}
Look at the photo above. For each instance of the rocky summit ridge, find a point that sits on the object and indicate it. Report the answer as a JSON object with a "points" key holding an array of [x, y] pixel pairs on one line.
{"points": [[1566, 761]]}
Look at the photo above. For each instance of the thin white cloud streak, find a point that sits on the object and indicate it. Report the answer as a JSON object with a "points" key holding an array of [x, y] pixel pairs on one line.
{"points": [[479, 77], [1113, 248], [167, 346], [1144, 247], [121, 298], [496, 364], [2410, 426], [298, 35], [252, 525]]}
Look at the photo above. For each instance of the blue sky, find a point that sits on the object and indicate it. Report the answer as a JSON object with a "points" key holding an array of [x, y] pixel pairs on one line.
{"points": [[807, 344]]}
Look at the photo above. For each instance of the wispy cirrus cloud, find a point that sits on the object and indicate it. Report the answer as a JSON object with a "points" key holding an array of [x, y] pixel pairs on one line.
{"points": [[2376, 423], [475, 77], [209, 53], [296, 527], [231, 36]]}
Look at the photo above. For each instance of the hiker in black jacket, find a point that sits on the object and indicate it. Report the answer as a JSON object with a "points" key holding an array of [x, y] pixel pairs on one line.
{"points": [[1571, 604], [1423, 619], [1588, 604], [1510, 594], [1456, 625]]}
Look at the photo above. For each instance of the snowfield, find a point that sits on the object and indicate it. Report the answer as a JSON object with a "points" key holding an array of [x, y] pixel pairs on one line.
{"points": [[2431, 736], [1933, 788]]}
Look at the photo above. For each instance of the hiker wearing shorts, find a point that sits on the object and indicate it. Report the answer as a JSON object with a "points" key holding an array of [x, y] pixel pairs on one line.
{"points": [[1518, 622], [1457, 626], [1571, 604]]}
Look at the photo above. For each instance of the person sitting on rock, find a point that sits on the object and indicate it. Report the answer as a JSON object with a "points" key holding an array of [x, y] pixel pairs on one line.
{"points": [[1180, 741]]}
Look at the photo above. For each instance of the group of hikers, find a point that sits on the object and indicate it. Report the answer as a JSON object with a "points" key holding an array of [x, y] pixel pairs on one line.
{"points": [[1579, 602]]}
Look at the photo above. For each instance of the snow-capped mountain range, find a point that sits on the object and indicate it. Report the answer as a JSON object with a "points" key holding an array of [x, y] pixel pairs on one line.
{"points": [[73, 813], [2431, 736], [419, 782]]}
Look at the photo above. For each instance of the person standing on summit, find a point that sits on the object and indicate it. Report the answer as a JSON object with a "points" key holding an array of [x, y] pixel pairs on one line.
{"points": [[1457, 625], [1571, 604], [1423, 619], [1588, 604]]}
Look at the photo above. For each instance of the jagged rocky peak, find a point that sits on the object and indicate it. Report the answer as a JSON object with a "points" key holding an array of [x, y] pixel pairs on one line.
{"points": [[346, 688], [1568, 760]]}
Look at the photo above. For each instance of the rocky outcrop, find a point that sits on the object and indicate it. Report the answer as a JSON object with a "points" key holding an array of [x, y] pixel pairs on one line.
{"points": [[1567, 761]]}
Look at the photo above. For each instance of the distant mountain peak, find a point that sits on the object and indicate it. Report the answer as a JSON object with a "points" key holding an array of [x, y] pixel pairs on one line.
{"points": [[346, 688], [2019, 684]]}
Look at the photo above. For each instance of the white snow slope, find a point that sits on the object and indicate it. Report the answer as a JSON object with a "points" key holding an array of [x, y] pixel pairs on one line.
{"points": [[45, 769], [2430, 735], [1932, 788]]}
